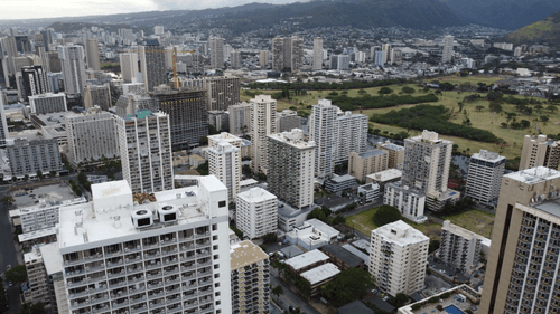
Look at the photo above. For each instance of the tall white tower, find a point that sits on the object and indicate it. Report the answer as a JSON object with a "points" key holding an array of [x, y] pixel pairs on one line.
{"points": [[263, 121], [318, 53], [73, 69]]}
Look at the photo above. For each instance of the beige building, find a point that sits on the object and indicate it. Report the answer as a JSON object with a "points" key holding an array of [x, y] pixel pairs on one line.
{"points": [[250, 278], [263, 121], [240, 118], [372, 161], [264, 58], [523, 260], [288, 120], [539, 151], [396, 153], [398, 258], [98, 95], [92, 54]]}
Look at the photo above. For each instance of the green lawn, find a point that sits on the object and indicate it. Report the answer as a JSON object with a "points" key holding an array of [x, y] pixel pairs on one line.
{"points": [[474, 220]]}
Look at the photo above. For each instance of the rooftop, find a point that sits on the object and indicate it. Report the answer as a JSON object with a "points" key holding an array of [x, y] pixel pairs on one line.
{"points": [[345, 256], [321, 273], [50, 193], [549, 206], [462, 232], [357, 252], [392, 146], [304, 260], [256, 195], [343, 178], [400, 233], [356, 307], [295, 138], [488, 156], [534, 175], [37, 234], [370, 153], [291, 251], [245, 253], [52, 258], [387, 175]]}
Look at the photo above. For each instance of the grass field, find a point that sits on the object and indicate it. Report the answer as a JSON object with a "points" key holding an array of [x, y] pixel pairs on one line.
{"points": [[474, 220], [484, 119]]}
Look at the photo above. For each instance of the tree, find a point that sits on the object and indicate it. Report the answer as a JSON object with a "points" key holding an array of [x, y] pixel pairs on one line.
{"points": [[479, 108], [551, 108], [544, 118], [347, 286], [399, 300], [277, 291], [27, 308], [82, 178], [426, 89], [434, 245], [17, 274], [7, 200], [52, 174], [26, 178], [386, 214], [385, 90], [407, 90], [539, 107], [495, 107], [525, 124], [39, 174]]}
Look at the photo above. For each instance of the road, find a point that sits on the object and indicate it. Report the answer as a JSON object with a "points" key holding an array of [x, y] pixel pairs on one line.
{"points": [[8, 254], [290, 298]]}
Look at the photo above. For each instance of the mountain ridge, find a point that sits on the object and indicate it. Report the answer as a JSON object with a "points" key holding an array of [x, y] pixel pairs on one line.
{"points": [[547, 29]]}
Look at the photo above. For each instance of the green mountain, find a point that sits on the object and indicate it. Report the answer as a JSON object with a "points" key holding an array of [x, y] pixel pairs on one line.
{"points": [[544, 30]]}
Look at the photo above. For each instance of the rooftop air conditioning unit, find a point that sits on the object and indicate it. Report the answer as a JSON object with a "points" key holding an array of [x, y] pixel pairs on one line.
{"points": [[167, 214], [141, 218]]}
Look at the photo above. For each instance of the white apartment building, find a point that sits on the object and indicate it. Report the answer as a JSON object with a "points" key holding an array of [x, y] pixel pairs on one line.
{"points": [[27, 157], [38, 291], [318, 53], [256, 213], [410, 202], [43, 216], [370, 191], [484, 178], [322, 130], [224, 161], [460, 247], [240, 118], [91, 136], [131, 103], [291, 173], [288, 120], [216, 46], [447, 49], [47, 103], [398, 258], [145, 149], [73, 68], [263, 123], [250, 278], [351, 134], [167, 256], [129, 67], [4, 133]]}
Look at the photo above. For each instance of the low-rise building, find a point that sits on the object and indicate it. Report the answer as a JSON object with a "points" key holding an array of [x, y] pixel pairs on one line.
{"points": [[370, 191], [313, 234], [371, 161], [250, 278], [340, 183], [320, 276], [410, 202], [398, 258], [342, 258], [384, 177], [47, 103], [460, 247], [27, 157], [256, 213], [302, 263]]}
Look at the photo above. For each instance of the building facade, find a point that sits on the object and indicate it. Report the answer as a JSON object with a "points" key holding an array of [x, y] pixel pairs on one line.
{"points": [[256, 213], [264, 56], [129, 67], [224, 161], [145, 149], [287, 54], [396, 153], [73, 68], [460, 248], [216, 46], [92, 54], [152, 61], [240, 118], [291, 174], [410, 202], [322, 130], [485, 177], [47, 103], [91, 136], [398, 258], [372, 161], [98, 95], [539, 151], [263, 123], [351, 134], [34, 80], [28, 157], [522, 262], [288, 120], [318, 53]]}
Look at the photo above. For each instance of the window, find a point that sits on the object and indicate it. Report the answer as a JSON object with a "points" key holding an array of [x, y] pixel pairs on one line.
{"points": [[221, 204]]}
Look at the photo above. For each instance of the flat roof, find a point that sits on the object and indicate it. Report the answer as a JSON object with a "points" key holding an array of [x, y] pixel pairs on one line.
{"points": [[386, 175], [52, 258], [550, 206], [392, 146], [487, 156], [245, 253], [343, 178], [371, 153], [322, 226], [110, 189], [462, 232], [357, 252], [256, 195], [248, 182], [291, 251], [323, 272], [534, 175], [37, 234], [399, 232], [345, 256], [304, 260]]}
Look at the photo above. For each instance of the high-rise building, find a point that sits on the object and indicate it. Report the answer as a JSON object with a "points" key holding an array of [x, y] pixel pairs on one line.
{"points": [[188, 116], [287, 53], [98, 95], [372, 161], [322, 130], [460, 248], [398, 258], [55, 65], [426, 168], [92, 54], [216, 46], [396, 56], [288, 120], [26, 157], [224, 161], [517, 52], [47, 103], [264, 58], [387, 50], [236, 59], [152, 61], [485, 177], [256, 213], [263, 121], [129, 67], [9, 48], [222, 92], [38, 291], [169, 255], [250, 278], [523, 260], [73, 68], [447, 49], [34, 81], [343, 61], [240, 118], [351, 134], [4, 133], [145, 149], [291, 173], [91, 136], [379, 58], [539, 151], [396, 153], [318, 53], [159, 30]]}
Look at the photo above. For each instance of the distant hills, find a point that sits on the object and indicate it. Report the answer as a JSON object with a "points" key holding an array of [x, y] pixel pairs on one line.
{"points": [[547, 29], [505, 14]]}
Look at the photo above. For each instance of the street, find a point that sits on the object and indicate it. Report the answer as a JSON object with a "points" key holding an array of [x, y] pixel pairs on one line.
{"points": [[290, 298], [8, 254]]}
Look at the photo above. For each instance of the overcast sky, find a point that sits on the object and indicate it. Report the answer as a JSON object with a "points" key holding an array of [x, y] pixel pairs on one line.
{"points": [[26, 9]]}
